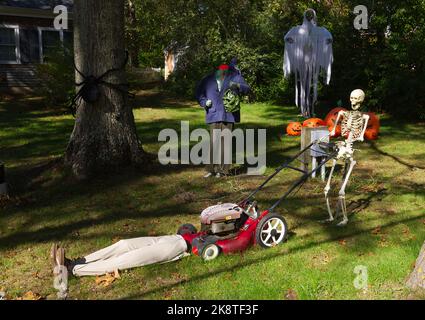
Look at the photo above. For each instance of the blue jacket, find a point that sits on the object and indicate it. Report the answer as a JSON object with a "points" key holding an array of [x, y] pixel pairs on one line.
{"points": [[208, 90]]}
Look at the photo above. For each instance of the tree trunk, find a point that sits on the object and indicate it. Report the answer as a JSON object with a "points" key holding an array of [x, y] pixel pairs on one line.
{"points": [[417, 278], [104, 135]]}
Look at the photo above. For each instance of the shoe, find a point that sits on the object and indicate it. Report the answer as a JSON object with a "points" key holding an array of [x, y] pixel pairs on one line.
{"points": [[70, 264], [208, 175]]}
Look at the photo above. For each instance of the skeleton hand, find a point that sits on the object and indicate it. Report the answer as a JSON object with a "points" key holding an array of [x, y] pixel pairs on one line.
{"points": [[323, 139], [208, 104]]}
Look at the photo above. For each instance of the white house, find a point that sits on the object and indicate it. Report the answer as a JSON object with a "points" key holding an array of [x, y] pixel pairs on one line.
{"points": [[26, 36]]}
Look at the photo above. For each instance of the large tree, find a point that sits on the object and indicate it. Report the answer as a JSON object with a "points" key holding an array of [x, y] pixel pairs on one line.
{"points": [[416, 280], [104, 135]]}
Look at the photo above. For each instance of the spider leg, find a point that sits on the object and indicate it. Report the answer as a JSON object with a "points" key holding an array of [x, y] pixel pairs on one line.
{"points": [[114, 69], [121, 87], [79, 72], [74, 102]]}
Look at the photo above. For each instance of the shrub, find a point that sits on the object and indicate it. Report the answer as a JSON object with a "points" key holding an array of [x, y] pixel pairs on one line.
{"points": [[56, 77]]}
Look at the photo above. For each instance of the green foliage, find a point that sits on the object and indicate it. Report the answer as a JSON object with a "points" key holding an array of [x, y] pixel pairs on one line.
{"points": [[57, 77], [388, 66]]}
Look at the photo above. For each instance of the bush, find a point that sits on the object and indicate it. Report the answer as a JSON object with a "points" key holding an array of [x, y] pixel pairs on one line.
{"points": [[386, 61], [57, 77]]}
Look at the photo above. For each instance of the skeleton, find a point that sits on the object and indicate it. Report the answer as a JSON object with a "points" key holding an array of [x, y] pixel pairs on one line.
{"points": [[354, 124]]}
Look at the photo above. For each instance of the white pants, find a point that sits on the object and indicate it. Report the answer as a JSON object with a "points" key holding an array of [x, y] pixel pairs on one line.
{"points": [[127, 254]]}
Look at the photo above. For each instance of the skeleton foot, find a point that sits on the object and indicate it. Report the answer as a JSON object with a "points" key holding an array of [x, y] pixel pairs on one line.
{"points": [[343, 223], [329, 220]]}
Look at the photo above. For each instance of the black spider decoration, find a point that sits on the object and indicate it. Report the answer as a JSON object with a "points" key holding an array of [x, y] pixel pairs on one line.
{"points": [[89, 88]]}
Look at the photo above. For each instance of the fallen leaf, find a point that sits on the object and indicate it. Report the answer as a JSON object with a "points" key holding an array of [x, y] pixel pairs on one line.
{"points": [[383, 242], [342, 242], [116, 239], [291, 295], [107, 279], [376, 231], [168, 295], [30, 296]]}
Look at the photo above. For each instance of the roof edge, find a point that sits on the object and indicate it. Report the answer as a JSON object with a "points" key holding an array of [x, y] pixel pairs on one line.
{"points": [[28, 12]]}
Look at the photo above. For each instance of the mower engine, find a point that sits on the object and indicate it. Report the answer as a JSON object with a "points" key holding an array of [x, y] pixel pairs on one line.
{"points": [[223, 219]]}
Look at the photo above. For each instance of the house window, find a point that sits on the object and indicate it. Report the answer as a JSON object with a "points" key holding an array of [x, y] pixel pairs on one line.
{"points": [[29, 45], [68, 40], [51, 39], [9, 45]]}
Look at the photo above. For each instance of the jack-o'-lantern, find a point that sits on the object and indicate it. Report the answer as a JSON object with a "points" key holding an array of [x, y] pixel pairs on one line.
{"points": [[371, 134], [294, 129], [330, 121], [313, 123], [373, 127]]}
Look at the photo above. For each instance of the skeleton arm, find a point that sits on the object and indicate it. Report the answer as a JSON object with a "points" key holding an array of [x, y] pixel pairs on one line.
{"points": [[340, 115], [366, 122]]}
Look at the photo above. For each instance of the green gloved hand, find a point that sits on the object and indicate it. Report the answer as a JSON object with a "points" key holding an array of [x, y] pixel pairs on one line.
{"points": [[231, 101]]}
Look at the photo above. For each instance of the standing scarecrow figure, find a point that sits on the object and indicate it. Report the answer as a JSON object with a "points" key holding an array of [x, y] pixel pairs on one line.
{"points": [[218, 93], [308, 50]]}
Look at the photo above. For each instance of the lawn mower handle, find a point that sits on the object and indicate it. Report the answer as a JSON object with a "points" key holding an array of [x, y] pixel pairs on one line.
{"points": [[278, 170], [304, 178]]}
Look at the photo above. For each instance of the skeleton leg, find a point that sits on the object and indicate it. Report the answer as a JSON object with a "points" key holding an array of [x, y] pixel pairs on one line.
{"points": [[313, 166], [342, 202], [327, 189], [323, 170]]}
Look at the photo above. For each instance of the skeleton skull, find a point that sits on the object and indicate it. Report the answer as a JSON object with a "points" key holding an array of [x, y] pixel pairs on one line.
{"points": [[357, 98]]}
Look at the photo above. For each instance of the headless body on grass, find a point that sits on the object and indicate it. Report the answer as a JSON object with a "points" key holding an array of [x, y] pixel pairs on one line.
{"points": [[125, 254]]}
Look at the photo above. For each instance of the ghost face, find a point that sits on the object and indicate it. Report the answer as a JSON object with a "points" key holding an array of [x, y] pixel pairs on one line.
{"points": [[357, 98], [310, 14]]}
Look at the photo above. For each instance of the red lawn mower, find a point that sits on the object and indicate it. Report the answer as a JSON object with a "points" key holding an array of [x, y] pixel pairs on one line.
{"points": [[228, 228]]}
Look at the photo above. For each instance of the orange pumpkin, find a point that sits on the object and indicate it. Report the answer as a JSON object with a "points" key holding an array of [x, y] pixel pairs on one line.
{"points": [[373, 127], [330, 121], [313, 123], [371, 134], [294, 129]]}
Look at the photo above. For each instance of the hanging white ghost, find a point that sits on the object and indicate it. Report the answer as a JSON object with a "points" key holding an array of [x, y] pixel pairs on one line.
{"points": [[308, 51]]}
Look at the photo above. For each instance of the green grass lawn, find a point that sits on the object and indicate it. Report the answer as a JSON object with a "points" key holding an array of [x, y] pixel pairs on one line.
{"points": [[386, 198]]}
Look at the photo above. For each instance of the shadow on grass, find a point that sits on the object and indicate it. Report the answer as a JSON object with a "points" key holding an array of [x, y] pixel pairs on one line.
{"points": [[401, 161]]}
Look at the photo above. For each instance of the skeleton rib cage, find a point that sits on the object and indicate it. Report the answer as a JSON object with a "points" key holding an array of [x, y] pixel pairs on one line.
{"points": [[352, 125]]}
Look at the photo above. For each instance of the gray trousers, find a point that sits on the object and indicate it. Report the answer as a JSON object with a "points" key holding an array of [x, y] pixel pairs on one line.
{"points": [[221, 167], [132, 253]]}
